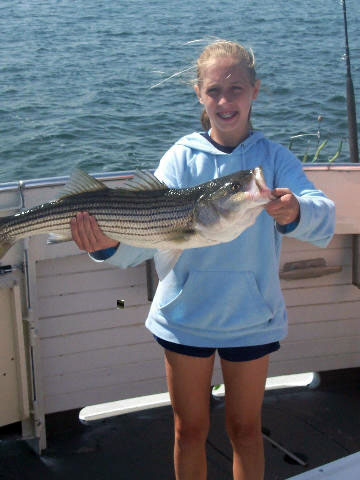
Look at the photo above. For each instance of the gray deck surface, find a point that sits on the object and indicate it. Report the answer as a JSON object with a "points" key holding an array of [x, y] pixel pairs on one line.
{"points": [[320, 425]]}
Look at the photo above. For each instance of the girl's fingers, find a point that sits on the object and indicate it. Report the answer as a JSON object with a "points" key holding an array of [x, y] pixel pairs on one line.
{"points": [[285, 209], [88, 235], [102, 240], [75, 233], [84, 240], [81, 232], [96, 231], [279, 192]]}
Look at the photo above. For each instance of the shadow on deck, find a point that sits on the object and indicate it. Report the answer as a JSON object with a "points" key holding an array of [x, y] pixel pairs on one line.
{"points": [[319, 425]]}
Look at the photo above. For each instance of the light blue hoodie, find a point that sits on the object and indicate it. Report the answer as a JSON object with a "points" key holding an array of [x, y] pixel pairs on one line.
{"points": [[229, 295]]}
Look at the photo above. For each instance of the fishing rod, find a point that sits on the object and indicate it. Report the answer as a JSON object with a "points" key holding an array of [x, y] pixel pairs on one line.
{"points": [[350, 98], [353, 144]]}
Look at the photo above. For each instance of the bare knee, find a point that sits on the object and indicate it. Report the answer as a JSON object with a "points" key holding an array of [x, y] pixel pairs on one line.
{"points": [[191, 433], [244, 434]]}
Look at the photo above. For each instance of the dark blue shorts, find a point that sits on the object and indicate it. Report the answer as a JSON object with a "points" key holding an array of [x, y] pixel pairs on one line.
{"points": [[232, 354]]}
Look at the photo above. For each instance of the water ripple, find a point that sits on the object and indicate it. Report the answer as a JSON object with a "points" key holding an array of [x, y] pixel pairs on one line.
{"points": [[76, 77]]}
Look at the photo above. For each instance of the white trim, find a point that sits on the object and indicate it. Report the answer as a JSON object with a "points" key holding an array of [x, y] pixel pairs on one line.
{"points": [[346, 468], [23, 375], [309, 379], [121, 407], [111, 409]]}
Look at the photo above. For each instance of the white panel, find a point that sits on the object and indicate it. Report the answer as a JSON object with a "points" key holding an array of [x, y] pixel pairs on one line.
{"points": [[69, 400], [317, 348], [100, 358], [104, 377], [92, 352], [333, 256], [65, 284], [339, 278], [88, 341], [95, 320], [9, 394], [338, 241], [346, 468], [91, 300], [326, 294], [91, 349], [314, 364], [327, 330], [14, 395], [323, 312], [340, 184], [70, 264]]}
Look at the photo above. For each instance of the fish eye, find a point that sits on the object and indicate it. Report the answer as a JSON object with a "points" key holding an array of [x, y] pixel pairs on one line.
{"points": [[235, 186]]}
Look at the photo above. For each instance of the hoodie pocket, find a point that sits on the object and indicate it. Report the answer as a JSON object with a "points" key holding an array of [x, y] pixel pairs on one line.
{"points": [[218, 301]]}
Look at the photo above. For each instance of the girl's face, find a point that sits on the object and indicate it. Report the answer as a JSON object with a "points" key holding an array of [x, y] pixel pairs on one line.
{"points": [[227, 95]]}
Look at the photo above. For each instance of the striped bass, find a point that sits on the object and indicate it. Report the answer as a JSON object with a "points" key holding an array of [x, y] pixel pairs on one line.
{"points": [[144, 212]]}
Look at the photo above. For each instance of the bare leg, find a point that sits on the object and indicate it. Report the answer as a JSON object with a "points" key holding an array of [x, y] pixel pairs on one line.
{"points": [[189, 386], [244, 393]]}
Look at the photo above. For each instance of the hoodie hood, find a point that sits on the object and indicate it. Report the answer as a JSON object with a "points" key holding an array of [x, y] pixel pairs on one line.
{"points": [[196, 141]]}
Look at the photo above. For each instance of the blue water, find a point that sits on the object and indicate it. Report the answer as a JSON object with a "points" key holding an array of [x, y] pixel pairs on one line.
{"points": [[75, 77]]}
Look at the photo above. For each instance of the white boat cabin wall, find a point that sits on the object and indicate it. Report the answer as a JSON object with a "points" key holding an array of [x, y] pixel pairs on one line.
{"points": [[72, 330]]}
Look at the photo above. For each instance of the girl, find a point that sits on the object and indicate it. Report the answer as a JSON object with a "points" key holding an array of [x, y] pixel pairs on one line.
{"points": [[226, 297]]}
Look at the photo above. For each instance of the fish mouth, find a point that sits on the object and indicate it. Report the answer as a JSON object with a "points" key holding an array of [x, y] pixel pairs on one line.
{"points": [[257, 190], [264, 190]]}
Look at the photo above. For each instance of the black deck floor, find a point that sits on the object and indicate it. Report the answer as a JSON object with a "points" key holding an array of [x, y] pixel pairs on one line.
{"points": [[319, 425]]}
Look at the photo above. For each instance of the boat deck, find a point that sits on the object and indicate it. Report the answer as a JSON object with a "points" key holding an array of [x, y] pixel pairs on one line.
{"points": [[319, 425]]}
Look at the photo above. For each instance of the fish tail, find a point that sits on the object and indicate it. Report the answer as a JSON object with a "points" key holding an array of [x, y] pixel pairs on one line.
{"points": [[59, 237]]}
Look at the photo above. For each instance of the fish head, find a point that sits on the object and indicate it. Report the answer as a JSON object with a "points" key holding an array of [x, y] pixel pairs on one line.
{"points": [[233, 192], [231, 204]]}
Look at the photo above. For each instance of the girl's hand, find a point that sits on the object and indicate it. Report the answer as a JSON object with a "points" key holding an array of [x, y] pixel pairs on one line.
{"points": [[87, 234], [285, 208]]}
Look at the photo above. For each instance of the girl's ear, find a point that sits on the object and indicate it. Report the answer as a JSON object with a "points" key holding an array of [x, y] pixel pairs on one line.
{"points": [[256, 89], [198, 94]]}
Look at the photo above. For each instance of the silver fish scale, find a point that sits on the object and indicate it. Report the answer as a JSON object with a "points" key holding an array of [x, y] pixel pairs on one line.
{"points": [[146, 214], [130, 223]]}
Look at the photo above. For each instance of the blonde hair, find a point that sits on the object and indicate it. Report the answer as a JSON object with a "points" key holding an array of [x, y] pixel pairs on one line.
{"points": [[224, 48]]}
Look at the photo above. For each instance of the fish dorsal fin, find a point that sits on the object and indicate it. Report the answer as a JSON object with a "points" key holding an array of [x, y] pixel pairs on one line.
{"points": [[143, 180], [80, 182]]}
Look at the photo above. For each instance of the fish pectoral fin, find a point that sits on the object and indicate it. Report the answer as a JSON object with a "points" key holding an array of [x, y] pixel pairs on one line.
{"points": [[165, 260], [58, 238], [182, 236]]}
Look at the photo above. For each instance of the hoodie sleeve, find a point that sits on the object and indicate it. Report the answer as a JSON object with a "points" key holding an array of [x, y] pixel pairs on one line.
{"points": [[317, 212], [125, 256]]}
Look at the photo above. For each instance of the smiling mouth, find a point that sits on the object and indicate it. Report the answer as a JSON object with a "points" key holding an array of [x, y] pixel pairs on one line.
{"points": [[227, 115]]}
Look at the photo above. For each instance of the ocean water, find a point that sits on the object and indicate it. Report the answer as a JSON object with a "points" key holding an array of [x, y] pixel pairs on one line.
{"points": [[76, 77]]}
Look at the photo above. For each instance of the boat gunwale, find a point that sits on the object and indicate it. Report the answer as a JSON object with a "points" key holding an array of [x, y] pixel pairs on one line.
{"points": [[123, 175], [61, 180]]}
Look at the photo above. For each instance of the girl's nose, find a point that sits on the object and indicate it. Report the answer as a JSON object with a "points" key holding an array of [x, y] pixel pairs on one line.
{"points": [[225, 98]]}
